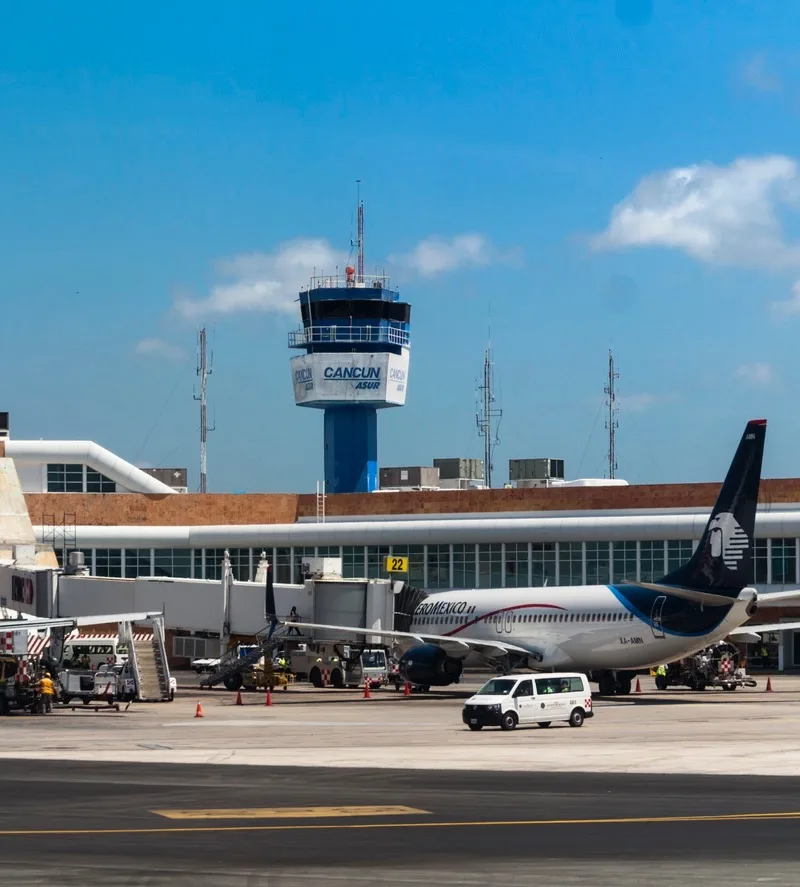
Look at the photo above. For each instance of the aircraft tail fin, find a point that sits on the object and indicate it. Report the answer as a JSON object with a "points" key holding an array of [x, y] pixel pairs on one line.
{"points": [[723, 560]]}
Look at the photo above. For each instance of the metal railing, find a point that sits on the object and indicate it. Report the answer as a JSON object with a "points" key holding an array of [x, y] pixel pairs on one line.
{"points": [[337, 281], [323, 335]]}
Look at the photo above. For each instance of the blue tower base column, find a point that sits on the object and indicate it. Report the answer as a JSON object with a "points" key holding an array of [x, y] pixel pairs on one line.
{"points": [[351, 449]]}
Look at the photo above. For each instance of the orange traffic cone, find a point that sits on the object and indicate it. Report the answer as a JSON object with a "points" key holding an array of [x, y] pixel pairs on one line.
{"points": [[638, 686], [239, 698], [769, 685], [407, 691], [367, 694], [199, 711], [269, 697]]}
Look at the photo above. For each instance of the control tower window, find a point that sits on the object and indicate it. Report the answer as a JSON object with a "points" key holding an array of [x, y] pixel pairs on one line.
{"points": [[359, 309]]}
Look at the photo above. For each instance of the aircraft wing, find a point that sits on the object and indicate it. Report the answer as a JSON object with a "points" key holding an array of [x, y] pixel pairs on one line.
{"points": [[757, 630], [689, 594], [778, 596], [453, 644]]}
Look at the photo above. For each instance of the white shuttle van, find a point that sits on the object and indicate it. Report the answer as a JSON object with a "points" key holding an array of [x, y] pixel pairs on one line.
{"points": [[530, 699]]}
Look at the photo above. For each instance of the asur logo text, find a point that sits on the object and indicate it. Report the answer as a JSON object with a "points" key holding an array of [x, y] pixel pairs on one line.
{"points": [[728, 540]]}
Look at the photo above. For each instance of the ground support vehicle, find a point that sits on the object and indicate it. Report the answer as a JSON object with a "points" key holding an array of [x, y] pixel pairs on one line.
{"points": [[204, 665], [507, 701], [715, 666], [375, 667], [17, 687], [328, 664]]}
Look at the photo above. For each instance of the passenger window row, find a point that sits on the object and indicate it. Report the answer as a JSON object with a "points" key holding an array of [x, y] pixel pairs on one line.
{"points": [[528, 618]]}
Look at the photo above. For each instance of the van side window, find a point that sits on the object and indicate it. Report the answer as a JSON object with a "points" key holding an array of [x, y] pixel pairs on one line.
{"points": [[575, 685], [524, 688]]}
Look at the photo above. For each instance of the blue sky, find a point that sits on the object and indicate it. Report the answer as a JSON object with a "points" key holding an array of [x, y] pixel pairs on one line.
{"points": [[601, 174]]}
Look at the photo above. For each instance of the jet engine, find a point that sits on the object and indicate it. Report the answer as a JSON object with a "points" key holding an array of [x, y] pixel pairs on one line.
{"points": [[429, 666]]}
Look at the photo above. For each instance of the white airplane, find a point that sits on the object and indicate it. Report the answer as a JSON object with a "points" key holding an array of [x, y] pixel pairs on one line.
{"points": [[610, 632]]}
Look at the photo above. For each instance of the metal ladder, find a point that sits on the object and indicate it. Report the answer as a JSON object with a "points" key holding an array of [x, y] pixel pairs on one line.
{"points": [[148, 661], [232, 664]]}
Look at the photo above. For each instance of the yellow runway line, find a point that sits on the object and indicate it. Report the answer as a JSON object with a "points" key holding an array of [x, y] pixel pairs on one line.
{"points": [[354, 826]]}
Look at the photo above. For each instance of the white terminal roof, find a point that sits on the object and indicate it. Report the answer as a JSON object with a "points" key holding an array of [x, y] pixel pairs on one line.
{"points": [[86, 452]]}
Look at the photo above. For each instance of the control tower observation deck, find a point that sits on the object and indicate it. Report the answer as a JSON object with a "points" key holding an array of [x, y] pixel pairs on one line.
{"points": [[356, 335]]}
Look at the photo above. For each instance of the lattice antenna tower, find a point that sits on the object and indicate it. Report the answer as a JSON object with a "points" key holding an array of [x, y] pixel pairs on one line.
{"points": [[488, 414], [358, 243], [612, 421], [203, 372]]}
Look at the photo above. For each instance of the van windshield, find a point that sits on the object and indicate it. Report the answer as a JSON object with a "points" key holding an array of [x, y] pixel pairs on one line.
{"points": [[373, 659], [497, 687]]}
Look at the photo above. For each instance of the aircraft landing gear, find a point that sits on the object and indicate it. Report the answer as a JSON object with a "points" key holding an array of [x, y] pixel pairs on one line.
{"points": [[613, 683]]}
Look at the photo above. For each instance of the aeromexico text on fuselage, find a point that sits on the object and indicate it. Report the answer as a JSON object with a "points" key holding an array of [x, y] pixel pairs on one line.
{"points": [[444, 608]]}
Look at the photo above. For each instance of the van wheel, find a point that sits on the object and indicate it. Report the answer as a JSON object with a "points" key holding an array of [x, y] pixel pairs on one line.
{"points": [[475, 726], [508, 721], [545, 723], [576, 718]]}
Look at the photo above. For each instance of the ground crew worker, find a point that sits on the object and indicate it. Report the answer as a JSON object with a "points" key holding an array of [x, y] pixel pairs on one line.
{"points": [[47, 691]]}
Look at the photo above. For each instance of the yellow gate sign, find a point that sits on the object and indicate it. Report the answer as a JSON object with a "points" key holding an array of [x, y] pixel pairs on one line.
{"points": [[396, 565]]}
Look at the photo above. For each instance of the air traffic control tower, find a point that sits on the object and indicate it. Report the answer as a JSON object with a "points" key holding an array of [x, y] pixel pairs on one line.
{"points": [[356, 335]]}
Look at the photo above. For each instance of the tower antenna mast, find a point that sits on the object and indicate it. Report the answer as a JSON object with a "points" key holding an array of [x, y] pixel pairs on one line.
{"points": [[612, 422], [360, 235], [487, 412], [203, 371]]}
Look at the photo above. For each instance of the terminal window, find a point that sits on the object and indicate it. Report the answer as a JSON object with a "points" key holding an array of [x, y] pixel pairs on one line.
{"points": [[67, 478], [651, 561], [99, 483], [490, 565], [463, 566], [598, 563], [516, 564], [543, 563], [761, 560], [784, 561], [570, 563], [624, 561]]}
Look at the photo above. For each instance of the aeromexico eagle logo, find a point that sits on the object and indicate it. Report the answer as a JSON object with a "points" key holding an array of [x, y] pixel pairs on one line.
{"points": [[727, 539]]}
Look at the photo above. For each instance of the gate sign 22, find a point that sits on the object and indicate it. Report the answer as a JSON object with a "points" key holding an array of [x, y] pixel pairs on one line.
{"points": [[396, 565]]}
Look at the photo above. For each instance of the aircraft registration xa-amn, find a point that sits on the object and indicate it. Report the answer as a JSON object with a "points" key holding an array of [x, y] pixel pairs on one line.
{"points": [[610, 632]]}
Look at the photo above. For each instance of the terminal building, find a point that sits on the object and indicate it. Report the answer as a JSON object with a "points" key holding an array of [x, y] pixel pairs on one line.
{"points": [[130, 524]]}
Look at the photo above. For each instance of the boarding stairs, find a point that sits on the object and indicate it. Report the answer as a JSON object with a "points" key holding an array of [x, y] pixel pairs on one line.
{"points": [[231, 663], [149, 662]]}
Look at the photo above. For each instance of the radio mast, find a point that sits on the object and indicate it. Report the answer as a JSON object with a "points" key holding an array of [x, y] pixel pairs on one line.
{"points": [[203, 371], [487, 414], [612, 423], [360, 235]]}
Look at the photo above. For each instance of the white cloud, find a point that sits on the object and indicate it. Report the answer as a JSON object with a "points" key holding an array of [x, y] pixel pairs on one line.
{"points": [[790, 306], [158, 348], [756, 72], [721, 214], [435, 255], [265, 281], [755, 373], [637, 403]]}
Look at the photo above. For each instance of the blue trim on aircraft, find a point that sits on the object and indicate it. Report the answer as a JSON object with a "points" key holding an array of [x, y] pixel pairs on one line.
{"points": [[680, 618]]}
